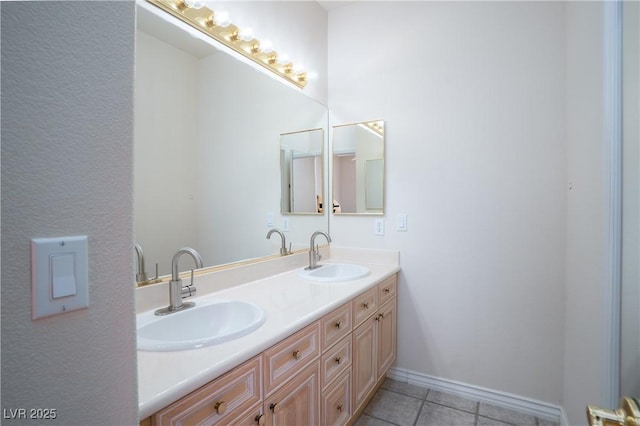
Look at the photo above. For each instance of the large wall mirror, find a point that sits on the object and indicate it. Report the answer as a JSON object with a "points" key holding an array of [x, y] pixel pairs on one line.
{"points": [[207, 149], [302, 172], [358, 168]]}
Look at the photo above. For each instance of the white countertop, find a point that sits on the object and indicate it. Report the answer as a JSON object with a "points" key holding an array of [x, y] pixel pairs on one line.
{"points": [[290, 303]]}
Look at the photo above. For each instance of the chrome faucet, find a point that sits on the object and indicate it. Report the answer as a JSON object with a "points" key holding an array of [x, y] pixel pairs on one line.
{"points": [[314, 253], [175, 285], [141, 276], [283, 249]]}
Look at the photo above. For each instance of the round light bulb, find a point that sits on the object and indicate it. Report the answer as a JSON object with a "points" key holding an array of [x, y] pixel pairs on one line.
{"points": [[195, 4], [283, 59], [246, 34], [221, 18], [266, 46], [298, 68]]}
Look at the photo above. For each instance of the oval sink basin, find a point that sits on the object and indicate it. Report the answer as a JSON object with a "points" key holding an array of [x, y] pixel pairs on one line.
{"points": [[205, 324], [335, 272]]}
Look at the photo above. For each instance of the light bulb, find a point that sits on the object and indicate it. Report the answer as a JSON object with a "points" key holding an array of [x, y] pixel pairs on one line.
{"points": [[266, 46], [298, 68], [221, 19], [312, 75], [246, 34], [283, 59], [195, 4]]}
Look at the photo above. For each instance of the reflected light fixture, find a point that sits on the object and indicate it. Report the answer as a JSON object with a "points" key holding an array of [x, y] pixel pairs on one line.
{"points": [[218, 26], [376, 126]]}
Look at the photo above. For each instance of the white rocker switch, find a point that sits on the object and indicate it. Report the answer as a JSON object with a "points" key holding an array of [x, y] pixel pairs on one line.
{"points": [[63, 275]]}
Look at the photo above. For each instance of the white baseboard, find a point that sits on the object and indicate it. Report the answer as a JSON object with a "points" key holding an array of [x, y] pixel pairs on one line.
{"points": [[530, 406]]}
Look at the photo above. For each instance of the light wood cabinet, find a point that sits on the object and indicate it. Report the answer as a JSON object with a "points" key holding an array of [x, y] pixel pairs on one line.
{"points": [[365, 366], [298, 401], [285, 359], [221, 399], [323, 374], [374, 344], [336, 401], [386, 336]]}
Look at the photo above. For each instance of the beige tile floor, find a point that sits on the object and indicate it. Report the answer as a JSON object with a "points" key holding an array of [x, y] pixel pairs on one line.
{"points": [[402, 404]]}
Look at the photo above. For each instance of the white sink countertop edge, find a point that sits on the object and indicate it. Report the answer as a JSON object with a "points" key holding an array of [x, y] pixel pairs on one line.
{"points": [[291, 303]]}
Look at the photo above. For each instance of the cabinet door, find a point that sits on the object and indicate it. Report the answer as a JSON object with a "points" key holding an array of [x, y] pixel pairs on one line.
{"points": [[298, 401], [365, 365], [336, 402], [386, 336]]}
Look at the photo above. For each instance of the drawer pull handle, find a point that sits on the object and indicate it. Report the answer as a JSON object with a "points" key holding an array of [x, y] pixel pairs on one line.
{"points": [[339, 324], [387, 290], [274, 407], [338, 360], [260, 420], [220, 407], [381, 316], [340, 408], [296, 354], [365, 305]]}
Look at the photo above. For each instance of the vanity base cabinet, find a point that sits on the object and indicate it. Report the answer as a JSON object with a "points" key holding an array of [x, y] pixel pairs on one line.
{"points": [[323, 374], [298, 401]]}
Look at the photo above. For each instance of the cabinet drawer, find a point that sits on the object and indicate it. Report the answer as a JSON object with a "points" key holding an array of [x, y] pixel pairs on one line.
{"points": [[387, 289], [218, 400], [364, 305], [335, 361], [336, 325], [336, 402], [286, 358]]}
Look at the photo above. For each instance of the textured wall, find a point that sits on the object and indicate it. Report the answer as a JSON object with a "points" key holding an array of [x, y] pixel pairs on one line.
{"points": [[67, 138]]}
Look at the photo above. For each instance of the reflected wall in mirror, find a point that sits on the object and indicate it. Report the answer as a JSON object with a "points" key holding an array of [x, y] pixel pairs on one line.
{"points": [[206, 151], [358, 168], [302, 172]]}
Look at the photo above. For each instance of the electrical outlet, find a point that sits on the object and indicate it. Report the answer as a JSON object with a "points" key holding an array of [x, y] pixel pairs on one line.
{"points": [[285, 223], [270, 220], [379, 227]]}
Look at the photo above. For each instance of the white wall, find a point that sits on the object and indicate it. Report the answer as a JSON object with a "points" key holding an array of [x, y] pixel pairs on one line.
{"points": [[473, 98], [166, 125], [67, 143]]}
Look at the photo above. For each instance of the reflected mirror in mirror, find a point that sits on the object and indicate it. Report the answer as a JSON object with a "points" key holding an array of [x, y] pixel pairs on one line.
{"points": [[358, 168], [302, 172], [206, 151]]}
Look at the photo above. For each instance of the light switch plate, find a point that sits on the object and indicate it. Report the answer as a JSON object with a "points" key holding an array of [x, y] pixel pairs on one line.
{"points": [[401, 222], [59, 275]]}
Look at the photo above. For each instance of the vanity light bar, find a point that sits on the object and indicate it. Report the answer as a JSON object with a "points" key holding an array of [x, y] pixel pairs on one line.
{"points": [[220, 29]]}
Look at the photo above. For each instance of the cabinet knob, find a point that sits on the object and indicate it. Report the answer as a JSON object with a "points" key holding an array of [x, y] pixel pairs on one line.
{"points": [[296, 354], [387, 290], [365, 305], [220, 407], [338, 324], [338, 360], [381, 316], [260, 420], [340, 407], [275, 407]]}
